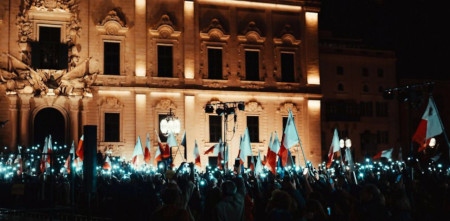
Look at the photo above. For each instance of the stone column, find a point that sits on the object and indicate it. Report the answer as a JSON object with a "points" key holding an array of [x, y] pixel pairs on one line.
{"points": [[13, 121], [25, 123], [74, 120]]}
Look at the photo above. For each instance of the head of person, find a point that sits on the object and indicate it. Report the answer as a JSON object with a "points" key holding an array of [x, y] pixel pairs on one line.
{"points": [[171, 193], [228, 188]]}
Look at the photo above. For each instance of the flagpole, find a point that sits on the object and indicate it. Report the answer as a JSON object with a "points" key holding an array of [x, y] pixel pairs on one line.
{"points": [[442, 125], [299, 141]]}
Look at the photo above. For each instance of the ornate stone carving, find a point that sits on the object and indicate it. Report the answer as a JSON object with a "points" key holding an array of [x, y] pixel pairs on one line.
{"points": [[165, 104], [112, 24]]}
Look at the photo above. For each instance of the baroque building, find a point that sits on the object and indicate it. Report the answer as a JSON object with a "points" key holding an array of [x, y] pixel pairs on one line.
{"points": [[123, 66]]}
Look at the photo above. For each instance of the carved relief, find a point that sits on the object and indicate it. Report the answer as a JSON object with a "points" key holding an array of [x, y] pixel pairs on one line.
{"points": [[253, 106], [165, 104], [165, 29], [111, 103], [285, 107], [112, 24], [287, 37], [252, 34], [214, 32]]}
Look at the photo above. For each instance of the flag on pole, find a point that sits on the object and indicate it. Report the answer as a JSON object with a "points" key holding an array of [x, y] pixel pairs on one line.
{"points": [[214, 149], [107, 163], [220, 155], [384, 153], [334, 147], [43, 164], [137, 152], [171, 140], [163, 148], [429, 126], [258, 166], [289, 139], [183, 143], [80, 148], [147, 154], [245, 147], [197, 155], [70, 157], [272, 151]]}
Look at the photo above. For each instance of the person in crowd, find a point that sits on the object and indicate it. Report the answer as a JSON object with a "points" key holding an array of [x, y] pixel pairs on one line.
{"points": [[231, 205], [170, 210]]}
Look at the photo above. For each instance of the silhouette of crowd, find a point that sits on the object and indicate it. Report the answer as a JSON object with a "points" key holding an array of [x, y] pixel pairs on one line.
{"points": [[380, 190]]}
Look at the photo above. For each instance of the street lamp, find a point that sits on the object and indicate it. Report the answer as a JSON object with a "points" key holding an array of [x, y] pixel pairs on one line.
{"points": [[170, 124]]}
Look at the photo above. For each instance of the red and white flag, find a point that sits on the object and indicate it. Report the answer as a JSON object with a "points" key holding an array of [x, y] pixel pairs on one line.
{"points": [[384, 153], [430, 126], [334, 147], [46, 152], [70, 157], [245, 147], [80, 148], [272, 151], [290, 138], [147, 154], [214, 149], [137, 152], [107, 163], [197, 155]]}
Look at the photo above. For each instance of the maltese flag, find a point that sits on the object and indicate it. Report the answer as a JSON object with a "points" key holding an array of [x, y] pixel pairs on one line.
{"points": [[430, 126]]}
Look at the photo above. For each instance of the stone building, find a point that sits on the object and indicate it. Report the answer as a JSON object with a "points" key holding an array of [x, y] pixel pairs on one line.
{"points": [[123, 66]]}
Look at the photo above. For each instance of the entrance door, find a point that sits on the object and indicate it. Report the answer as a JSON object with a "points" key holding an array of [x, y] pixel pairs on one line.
{"points": [[49, 121]]}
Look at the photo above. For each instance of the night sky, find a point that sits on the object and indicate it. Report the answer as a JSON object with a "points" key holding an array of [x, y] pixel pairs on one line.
{"points": [[416, 30]]}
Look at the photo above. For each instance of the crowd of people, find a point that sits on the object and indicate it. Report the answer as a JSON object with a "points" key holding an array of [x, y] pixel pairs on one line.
{"points": [[371, 190]]}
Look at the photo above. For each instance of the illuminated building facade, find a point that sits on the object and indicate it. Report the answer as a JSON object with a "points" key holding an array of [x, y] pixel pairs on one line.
{"points": [[124, 65]]}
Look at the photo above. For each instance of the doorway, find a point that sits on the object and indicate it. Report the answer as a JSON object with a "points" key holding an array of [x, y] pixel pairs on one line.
{"points": [[49, 121]]}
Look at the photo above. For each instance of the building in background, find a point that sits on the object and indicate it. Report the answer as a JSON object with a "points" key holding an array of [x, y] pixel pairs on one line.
{"points": [[123, 66], [353, 79]]}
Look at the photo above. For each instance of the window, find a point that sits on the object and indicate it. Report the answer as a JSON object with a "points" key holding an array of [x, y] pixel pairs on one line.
{"points": [[365, 88], [382, 137], [165, 61], [112, 58], [287, 67], [215, 128], [253, 128], [365, 72], [112, 127], [366, 109], [381, 109], [252, 65], [340, 87], [340, 70], [380, 72], [214, 63], [49, 52]]}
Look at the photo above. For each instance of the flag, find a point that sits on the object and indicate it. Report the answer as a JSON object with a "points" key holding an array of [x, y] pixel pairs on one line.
{"points": [[158, 154], [429, 126], [334, 147], [252, 163], [147, 155], [43, 163], [272, 151], [70, 157], [197, 155], [80, 148], [183, 143], [107, 163], [171, 140], [288, 140], [137, 152], [163, 148], [258, 166], [290, 137], [245, 147], [220, 155], [384, 153], [214, 148]]}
